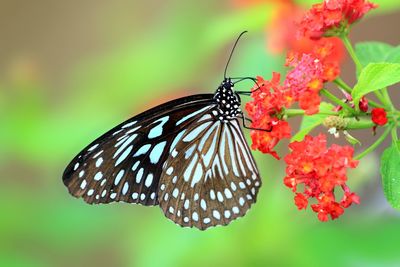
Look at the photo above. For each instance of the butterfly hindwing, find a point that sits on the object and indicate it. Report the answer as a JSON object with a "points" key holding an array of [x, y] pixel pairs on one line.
{"points": [[125, 163], [210, 177]]}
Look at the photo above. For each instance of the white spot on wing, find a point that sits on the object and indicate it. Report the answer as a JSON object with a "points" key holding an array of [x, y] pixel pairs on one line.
{"points": [[124, 145], [128, 124], [235, 210], [157, 152], [198, 174], [192, 115], [90, 192], [139, 175], [93, 147], [203, 204], [98, 154], [216, 214], [134, 167], [119, 177], [125, 188], [189, 169], [195, 216], [99, 161], [220, 197], [142, 150], [157, 130], [98, 176], [175, 193], [194, 133], [170, 170], [124, 155], [228, 193], [227, 214], [149, 180]]}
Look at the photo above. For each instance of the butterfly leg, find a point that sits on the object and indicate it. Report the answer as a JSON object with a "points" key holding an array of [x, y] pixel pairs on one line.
{"points": [[248, 93], [244, 119]]}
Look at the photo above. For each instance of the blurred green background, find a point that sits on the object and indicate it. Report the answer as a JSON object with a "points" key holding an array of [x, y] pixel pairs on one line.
{"points": [[70, 70]]}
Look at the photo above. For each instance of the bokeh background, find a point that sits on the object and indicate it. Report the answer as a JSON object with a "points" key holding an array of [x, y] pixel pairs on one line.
{"points": [[70, 70]]}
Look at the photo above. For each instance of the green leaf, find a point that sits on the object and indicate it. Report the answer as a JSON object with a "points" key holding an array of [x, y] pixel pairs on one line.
{"points": [[376, 76], [390, 171], [377, 52], [394, 55], [372, 52], [310, 122]]}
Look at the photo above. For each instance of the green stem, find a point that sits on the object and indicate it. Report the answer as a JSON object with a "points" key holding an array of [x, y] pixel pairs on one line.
{"points": [[381, 98], [336, 100], [394, 134], [351, 51], [376, 144], [353, 124], [386, 96], [299, 112], [342, 84]]}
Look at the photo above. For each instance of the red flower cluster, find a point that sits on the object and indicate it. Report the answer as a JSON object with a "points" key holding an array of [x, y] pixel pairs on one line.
{"points": [[332, 15], [320, 170], [309, 73], [379, 117], [282, 34], [270, 98]]}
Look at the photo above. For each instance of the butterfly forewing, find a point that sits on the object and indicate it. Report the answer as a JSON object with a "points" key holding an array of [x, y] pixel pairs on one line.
{"points": [[210, 177], [125, 164]]}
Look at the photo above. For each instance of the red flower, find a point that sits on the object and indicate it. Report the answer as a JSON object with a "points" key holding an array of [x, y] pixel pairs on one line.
{"points": [[363, 104], [332, 15], [301, 201], [378, 116], [309, 73], [270, 98], [320, 170]]}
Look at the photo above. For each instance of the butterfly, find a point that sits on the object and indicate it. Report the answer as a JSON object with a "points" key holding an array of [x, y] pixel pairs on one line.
{"points": [[189, 156]]}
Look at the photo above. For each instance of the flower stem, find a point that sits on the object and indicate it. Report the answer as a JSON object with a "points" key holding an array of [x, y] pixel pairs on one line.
{"points": [[376, 144], [336, 100], [394, 134], [351, 51], [386, 96], [354, 124], [342, 84], [381, 98], [299, 112]]}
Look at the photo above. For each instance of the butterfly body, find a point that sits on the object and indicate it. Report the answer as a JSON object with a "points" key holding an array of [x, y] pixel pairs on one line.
{"points": [[228, 101]]}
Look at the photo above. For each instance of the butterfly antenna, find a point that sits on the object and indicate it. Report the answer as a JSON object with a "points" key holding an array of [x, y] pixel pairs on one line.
{"points": [[233, 49]]}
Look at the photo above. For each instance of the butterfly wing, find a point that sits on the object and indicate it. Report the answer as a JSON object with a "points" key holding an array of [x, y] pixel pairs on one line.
{"points": [[125, 163], [211, 177]]}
